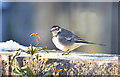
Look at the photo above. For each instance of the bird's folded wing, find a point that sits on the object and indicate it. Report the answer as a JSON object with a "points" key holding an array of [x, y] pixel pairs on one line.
{"points": [[73, 38], [77, 39]]}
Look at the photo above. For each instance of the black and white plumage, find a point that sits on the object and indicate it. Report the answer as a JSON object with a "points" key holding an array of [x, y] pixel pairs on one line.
{"points": [[65, 40]]}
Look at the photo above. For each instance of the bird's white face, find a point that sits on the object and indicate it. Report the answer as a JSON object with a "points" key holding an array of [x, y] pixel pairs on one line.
{"points": [[55, 30]]}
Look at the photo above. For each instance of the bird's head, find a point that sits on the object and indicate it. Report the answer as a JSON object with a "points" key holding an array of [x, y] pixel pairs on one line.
{"points": [[55, 30]]}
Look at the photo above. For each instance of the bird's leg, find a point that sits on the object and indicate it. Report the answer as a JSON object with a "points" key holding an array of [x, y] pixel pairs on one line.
{"points": [[63, 53], [67, 53]]}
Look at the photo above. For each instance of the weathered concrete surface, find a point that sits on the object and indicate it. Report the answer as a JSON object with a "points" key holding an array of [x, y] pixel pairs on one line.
{"points": [[75, 63]]}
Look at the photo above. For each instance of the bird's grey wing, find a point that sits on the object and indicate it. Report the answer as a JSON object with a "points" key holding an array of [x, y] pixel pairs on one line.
{"points": [[66, 41], [68, 37], [79, 40]]}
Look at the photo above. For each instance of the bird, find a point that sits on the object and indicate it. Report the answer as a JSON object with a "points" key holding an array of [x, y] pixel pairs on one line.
{"points": [[65, 40]]}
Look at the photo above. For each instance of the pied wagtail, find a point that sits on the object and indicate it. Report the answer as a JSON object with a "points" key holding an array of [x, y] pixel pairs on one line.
{"points": [[65, 40]]}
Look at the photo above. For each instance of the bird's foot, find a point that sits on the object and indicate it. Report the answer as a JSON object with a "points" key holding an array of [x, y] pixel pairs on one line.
{"points": [[66, 53]]}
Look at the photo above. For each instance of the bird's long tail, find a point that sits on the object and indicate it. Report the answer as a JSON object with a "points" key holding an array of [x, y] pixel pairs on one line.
{"points": [[97, 44], [85, 42]]}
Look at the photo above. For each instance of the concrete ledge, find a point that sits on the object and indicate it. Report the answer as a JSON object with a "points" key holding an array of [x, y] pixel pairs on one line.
{"points": [[77, 63]]}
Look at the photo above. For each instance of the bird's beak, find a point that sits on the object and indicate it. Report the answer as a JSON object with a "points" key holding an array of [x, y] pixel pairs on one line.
{"points": [[50, 30]]}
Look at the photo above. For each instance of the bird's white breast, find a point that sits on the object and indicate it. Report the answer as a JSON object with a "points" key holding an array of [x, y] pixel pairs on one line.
{"points": [[57, 43], [64, 47]]}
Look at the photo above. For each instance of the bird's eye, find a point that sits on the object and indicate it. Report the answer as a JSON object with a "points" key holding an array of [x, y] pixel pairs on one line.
{"points": [[57, 29]]}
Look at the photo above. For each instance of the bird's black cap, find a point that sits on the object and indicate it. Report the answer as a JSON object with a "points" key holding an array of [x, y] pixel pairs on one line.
{"points": [[55, 26]]}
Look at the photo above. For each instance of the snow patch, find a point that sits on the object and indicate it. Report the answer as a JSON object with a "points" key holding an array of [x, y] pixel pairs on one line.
{"points": [[11, 45]]}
